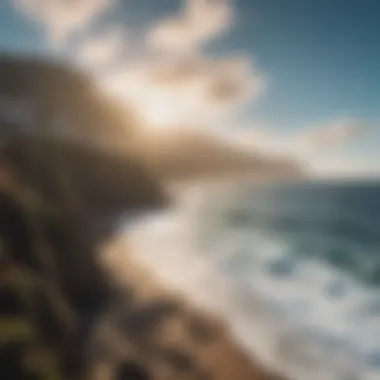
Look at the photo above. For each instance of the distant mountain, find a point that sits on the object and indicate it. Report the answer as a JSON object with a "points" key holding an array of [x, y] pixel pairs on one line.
{"points": [[189, 155]]}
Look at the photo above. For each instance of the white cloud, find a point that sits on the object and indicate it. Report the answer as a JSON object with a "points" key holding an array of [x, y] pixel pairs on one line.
{"points": [[311, 145], [346, 166], [331, 135], [101, 50], [199, 22], [174, 89], [190, 90], [62, 18]]}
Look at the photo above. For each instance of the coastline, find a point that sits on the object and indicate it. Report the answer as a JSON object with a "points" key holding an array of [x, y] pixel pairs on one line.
{"points": [[225, 357]]}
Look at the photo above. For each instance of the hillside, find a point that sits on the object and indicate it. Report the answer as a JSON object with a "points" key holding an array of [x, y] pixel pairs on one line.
{"points": [[49, 97], [185, 155], [40, 96]]}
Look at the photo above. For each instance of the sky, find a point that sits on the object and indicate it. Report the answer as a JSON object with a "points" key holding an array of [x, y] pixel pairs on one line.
{"points": [[297, 76]]}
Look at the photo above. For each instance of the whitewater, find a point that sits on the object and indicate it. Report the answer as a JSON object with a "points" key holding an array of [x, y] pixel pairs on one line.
{"points": [[232, 251]]}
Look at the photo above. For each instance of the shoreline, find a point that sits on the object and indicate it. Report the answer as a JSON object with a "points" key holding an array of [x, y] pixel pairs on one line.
{"points": [[226, 357]]}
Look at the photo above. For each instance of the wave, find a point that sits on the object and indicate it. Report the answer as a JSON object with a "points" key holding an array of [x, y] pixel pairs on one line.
{"points": [[295, 313]]}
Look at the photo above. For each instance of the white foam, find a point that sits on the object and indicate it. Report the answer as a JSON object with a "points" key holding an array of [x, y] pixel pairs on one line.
{"points": [[288, 320]]}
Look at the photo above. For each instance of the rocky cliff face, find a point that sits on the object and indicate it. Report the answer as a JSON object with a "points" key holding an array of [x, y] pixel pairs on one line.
{"points": [[88, 186]]}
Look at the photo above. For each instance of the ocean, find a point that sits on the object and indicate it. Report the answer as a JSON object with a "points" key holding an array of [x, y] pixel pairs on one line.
{"points": [[294, 267]]}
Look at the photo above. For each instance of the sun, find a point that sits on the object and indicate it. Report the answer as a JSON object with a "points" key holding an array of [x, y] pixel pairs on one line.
{"points": [[159, 115], [157, 108]]}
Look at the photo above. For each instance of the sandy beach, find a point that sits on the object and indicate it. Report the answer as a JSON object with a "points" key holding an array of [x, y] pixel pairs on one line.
{"points": [[223, 357]]}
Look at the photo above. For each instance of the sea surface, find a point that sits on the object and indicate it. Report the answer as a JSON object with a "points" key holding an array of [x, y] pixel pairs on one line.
{"points": [[294, 267]]}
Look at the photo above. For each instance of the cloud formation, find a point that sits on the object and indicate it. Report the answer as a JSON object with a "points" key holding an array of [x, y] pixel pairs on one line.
{"points": [[196, 88], [331, 135], [313, 143], [170, 88], [199, 22], [62, 18], [189, 90], [101, 50]]}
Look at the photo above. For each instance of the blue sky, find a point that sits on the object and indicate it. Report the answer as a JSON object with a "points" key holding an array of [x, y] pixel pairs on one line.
{"points": [[320, 59]]}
